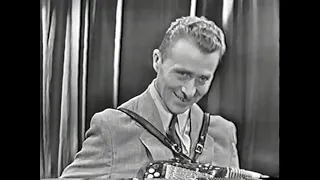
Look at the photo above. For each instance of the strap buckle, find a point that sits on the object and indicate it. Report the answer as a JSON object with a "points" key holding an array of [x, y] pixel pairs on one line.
{"points": [[199, 148], [176, 148]]}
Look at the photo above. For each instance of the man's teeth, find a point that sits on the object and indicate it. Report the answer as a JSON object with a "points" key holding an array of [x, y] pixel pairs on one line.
{"points": [[182, 99]]}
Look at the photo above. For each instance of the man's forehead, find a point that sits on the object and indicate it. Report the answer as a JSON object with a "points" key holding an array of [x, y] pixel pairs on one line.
{"points": [[181, 45], [188, 47]]}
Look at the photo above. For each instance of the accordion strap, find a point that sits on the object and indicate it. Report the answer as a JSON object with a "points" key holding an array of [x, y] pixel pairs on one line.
{"points": [[203, 134], [166, 141]]}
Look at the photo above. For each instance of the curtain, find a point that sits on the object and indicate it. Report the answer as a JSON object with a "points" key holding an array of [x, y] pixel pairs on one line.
{"points": [[100, 58], [63, 50], [246, 87]]}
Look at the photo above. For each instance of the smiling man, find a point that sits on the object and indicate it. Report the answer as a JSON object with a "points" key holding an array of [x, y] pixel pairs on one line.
{"points": [[116, 146]]}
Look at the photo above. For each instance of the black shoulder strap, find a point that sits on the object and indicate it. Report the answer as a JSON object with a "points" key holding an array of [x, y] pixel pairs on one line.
{"points": [[167, 142], [155, 132], [202, 136]]}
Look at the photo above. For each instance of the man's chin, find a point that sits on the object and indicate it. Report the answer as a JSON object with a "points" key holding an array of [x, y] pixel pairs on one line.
{"points": [[178, 110]]}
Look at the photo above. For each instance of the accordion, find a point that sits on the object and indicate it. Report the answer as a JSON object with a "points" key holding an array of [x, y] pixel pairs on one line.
{"points": [[182, 170]]}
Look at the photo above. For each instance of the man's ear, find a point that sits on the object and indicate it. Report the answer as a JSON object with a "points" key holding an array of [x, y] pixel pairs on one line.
{"points": [[157, 60]]}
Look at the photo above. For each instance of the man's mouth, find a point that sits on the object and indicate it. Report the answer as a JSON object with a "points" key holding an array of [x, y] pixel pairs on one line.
{"points": [[181, 98]]}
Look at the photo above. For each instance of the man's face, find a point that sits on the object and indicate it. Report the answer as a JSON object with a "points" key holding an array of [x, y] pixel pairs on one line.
{"points": [[184, 77]]}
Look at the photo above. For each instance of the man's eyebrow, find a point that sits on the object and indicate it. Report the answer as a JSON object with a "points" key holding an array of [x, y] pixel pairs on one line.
{"points": [[208, 75], [183, 70]]}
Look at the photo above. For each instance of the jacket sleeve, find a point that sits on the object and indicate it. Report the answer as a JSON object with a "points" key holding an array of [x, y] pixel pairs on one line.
{"points": [[234, 161], [94, 160]]}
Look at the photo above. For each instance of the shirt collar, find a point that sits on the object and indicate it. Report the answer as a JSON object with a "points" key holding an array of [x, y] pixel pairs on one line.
{"points": [[165, 115]]}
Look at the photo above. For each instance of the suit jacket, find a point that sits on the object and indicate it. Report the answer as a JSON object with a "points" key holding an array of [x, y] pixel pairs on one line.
{"points": [[117, 146]]}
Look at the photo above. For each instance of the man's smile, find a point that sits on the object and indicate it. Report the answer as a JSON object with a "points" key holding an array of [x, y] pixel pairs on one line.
{"points": [[181, 98]]}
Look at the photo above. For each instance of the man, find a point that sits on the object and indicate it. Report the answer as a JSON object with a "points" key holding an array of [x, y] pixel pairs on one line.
{"points": [[116, 146]]}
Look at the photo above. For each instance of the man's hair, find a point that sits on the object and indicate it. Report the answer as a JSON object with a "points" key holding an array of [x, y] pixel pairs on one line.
{"points": [[203, 32]]}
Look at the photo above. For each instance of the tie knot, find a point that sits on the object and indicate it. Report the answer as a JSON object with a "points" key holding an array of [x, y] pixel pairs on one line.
{"points": [[173, 121]]}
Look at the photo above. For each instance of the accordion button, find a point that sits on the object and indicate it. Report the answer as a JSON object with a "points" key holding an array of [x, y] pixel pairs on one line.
{"points": [[151, 170], [150, 176], [156, 174]]}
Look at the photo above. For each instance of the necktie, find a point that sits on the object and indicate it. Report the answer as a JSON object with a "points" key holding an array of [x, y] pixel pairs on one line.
{"points": [[172, 133]]}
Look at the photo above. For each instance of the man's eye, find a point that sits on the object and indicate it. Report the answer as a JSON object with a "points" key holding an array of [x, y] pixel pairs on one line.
{"points": [[182, 73], [203, 78]]}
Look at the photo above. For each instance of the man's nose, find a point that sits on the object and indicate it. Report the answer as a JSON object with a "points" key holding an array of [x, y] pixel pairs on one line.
{"points": [[189, 89]]}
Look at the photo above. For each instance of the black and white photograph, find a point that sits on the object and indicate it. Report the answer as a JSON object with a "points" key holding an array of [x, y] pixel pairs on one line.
{"points": [[159, 89]]}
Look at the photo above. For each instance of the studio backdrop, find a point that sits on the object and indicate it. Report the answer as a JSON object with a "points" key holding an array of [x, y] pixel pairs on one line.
{"points": [[97, 54]]}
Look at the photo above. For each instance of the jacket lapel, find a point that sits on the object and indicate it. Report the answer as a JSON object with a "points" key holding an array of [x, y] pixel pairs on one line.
{"points": [[196, 123], [157, 150], [147, 109]]}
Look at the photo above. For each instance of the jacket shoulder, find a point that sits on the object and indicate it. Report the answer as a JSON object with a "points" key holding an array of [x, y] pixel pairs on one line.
{"points": [[215, 120], [114, 116], [222, 129], [111, 118], [219, 121]]}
